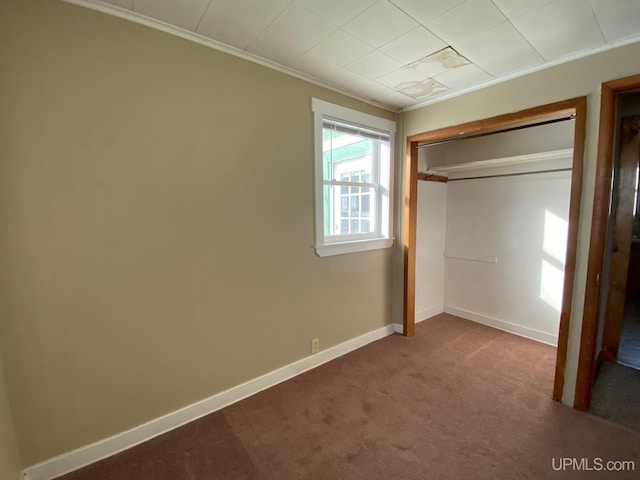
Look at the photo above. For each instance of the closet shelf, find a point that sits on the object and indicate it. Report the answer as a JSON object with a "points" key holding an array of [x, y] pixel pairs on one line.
{"points": [[506, 161]]}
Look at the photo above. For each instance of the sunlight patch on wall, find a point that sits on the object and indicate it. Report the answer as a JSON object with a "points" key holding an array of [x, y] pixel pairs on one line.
{"points": [[554, 243], [551, 283], [554, 247]]}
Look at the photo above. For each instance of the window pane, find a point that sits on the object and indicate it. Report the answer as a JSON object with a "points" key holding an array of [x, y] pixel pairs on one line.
{"points": [[365, 203], [355, 205], [336, 147], [326, 205], [345, 178], [368, 210], [385, 183], [348, 214], [346, 157], [385, 162], [333, 203]]}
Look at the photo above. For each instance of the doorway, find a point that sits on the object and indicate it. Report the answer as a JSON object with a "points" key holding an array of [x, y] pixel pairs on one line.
{"points": [[620, 338], [574, 107], [591, 356], [616, 388]]}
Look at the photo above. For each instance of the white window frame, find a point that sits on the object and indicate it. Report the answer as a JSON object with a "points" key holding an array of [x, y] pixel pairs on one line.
{"points": [[341, 244]]}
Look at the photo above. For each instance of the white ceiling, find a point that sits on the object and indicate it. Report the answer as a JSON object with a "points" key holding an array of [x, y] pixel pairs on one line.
{"points": [[375, 49]]}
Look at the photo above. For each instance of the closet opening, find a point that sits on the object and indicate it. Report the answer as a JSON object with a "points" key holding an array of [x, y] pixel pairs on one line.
{"points": [[508, 189]]}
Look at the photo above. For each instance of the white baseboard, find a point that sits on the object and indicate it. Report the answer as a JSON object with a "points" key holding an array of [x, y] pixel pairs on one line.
{"points": [[421, 316], [520, 330], [107, 447], [427, 313]]}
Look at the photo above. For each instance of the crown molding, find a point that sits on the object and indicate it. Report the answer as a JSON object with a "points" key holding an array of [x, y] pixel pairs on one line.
{"points": [[141, 19]]}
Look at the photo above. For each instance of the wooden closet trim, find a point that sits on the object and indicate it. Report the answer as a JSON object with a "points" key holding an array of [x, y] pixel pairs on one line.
{"points": [[430, 177], [575, 106]]}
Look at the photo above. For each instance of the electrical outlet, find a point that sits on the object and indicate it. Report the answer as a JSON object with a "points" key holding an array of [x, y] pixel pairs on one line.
{"points": [[315, 345]]}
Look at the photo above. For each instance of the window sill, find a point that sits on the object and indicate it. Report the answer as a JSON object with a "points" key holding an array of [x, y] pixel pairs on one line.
{"points": [[330, 249]]}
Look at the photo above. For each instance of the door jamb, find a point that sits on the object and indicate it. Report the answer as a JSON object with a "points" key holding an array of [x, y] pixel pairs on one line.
{"points": [[576, 106], [622, 227], [602, 196]]}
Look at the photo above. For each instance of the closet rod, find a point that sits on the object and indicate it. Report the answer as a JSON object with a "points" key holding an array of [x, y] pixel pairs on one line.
{"points": [[504, 130], [519, 174]]}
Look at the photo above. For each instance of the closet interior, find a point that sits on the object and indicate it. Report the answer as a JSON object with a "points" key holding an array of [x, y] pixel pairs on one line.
{"points": [[492, 222]]}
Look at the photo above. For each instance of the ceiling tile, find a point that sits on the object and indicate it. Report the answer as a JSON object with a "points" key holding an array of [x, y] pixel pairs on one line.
{"points": [[420, 90], [560, 28], [347, 80], [276, 50], [380, 24], [518, 57], [602, 6], [374, 65], [337, 12], [426, 10], [128, 4], [500, 51], [376, 90], [294, 32], [341, 48], [468, 18], [490, 42], [503, 43], [227, 21], [397, 100], [385, 95], [411, 46], [401, 75], [464, 77], [314, 66], [617, 18], [515, 8], [185, 14], [425, 68], [437, 63]]}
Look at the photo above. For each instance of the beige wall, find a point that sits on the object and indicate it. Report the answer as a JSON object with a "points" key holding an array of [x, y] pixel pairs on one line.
{"points": [[577, 78], [157, 199], [10, 466]]}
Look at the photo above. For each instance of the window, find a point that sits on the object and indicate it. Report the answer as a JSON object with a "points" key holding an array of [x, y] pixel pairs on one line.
{"points": [[354, 172]]}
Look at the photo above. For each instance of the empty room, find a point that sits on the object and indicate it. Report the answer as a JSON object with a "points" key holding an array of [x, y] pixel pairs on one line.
{"points": [[322, 239]]}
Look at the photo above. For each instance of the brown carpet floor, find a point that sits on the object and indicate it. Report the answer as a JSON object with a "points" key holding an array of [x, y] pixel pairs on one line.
{"points": [[616, 396], [456, 401]]}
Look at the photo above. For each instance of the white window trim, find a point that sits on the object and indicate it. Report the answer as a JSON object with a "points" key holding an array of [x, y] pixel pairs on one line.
{"points": [[321, 108]]}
